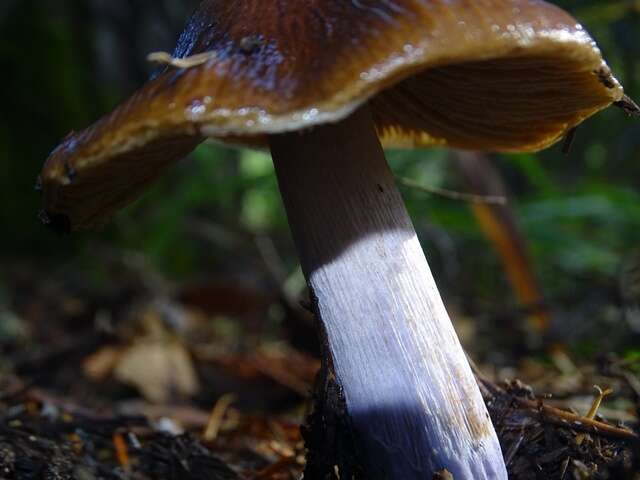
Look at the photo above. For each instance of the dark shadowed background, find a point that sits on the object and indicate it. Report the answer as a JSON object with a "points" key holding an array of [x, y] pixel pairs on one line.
{"points": [[218, 215]]}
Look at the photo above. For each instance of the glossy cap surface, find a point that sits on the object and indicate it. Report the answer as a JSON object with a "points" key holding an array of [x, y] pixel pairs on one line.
{"points": [[492, 75]]}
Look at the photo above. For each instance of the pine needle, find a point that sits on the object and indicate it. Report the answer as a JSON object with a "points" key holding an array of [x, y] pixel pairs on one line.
{"points": [[164, 58]]}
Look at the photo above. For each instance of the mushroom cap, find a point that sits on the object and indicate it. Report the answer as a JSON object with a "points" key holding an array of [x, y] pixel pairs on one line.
{"points": [[489, 75]]}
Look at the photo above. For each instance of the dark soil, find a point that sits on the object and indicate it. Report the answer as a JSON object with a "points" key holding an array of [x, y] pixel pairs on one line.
{"points": [[82, 396]]}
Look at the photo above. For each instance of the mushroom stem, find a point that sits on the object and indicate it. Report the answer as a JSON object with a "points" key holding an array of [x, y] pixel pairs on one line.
{"points": [[413, 401]]}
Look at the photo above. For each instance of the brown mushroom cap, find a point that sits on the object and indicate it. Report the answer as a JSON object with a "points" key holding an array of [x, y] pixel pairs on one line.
{"points": [[491, 75]]}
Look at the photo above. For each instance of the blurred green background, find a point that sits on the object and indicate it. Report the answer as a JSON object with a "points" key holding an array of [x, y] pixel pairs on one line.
{"points": [[64, 63]]}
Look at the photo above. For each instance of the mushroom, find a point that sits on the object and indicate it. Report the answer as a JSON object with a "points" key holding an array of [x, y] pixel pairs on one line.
{"points": [[322, 83]]}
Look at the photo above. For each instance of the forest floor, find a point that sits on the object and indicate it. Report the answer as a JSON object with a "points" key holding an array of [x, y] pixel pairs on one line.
{"points": [[211, 381]]}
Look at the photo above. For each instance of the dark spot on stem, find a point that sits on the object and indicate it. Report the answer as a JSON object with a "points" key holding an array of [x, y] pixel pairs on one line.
{"points": [[380, 189]]}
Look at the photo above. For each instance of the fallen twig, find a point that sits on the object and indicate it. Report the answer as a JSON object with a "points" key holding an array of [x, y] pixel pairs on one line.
{"points": [[453, 195], [552, 415], [217, 414], [594, 408], [563, 418]]}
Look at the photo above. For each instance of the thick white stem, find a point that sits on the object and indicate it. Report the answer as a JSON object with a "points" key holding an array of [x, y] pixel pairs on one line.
{"points": [[410, 393]]}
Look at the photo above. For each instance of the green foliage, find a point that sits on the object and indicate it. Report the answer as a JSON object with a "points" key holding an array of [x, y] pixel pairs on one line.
{"points": [[581, 214]]}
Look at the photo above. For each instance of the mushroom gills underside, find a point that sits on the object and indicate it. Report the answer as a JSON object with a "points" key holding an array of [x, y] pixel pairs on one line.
{"points": [[507, 104]]}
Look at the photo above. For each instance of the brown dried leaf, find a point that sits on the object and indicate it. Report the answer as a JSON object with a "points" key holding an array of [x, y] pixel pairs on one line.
{"points": [[159, 370], [101, 364]]}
